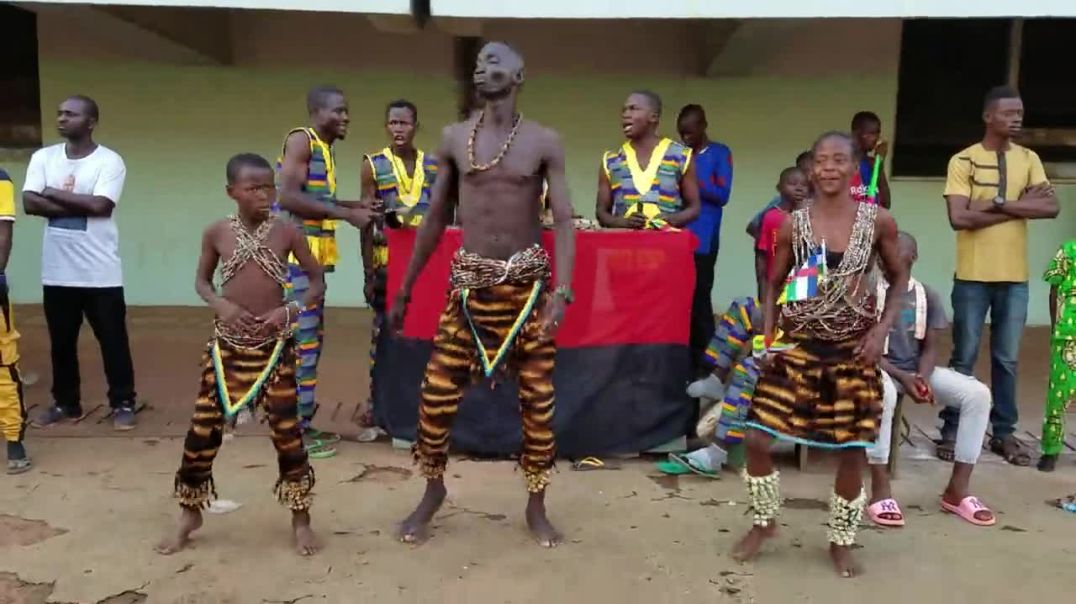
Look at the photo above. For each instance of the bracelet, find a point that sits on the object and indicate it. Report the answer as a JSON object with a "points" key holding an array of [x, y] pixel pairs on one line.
{"points": [[288, 311], [565, 293]]}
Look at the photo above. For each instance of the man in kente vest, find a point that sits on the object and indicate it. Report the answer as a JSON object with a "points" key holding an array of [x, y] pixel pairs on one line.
{"points": [[663, 192], [398, 180], [307, 185]]}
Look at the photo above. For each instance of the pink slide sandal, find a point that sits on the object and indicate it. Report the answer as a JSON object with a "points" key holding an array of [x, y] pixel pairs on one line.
{"points": [[889, 508], [967, 509]]}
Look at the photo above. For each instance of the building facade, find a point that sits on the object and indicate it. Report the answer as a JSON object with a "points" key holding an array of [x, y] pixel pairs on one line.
{"points": [[182, 89]]}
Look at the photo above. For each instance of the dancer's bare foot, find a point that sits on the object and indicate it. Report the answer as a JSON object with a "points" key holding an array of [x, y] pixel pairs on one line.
{"points": [[190, 520], [415, 529], [539, 525], [306, 543], [747, 548], [843, 561]]}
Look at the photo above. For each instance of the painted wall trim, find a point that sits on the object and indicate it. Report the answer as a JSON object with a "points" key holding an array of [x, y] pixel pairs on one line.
{"points": [[385, 7], [644, 9], [742, 9]]}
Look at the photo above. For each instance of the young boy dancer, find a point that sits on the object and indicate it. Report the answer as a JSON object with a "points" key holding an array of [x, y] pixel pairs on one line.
{"points": [[250, 361]]}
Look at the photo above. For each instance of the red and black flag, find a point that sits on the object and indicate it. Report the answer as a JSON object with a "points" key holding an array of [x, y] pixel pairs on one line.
{"points": [[622, 351]]}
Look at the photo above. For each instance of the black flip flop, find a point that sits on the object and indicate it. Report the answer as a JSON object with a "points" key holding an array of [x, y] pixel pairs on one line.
{"points": [[945, 450], [1012, 450]]}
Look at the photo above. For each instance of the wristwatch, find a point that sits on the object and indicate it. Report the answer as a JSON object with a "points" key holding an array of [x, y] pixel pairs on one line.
{"points": [[565, 294], [999, 201]]}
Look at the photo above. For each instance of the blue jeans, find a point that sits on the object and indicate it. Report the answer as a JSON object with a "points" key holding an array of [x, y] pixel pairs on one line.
{"points": [[1007, 303]]}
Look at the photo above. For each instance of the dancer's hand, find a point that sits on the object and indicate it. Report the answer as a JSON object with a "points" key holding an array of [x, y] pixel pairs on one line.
{"points": [[869, 349], [359, 217], [233, 315], [398, 312], [276, 319], [552, 315]]}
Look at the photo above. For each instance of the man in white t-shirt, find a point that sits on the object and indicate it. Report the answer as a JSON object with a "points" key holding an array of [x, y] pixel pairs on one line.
{"points": [[76, 186]]}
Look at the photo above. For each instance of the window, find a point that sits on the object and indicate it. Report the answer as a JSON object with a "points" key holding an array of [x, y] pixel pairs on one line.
{"points": [[20, 102], [467, 49], [1048, 87], [947, 65]]}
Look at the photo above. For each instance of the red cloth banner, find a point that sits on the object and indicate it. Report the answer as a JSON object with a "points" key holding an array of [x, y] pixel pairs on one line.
{"points": [[631, 287]]}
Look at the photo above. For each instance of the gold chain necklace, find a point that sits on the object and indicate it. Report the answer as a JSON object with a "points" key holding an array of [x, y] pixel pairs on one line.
{"points": [[476, 167]]}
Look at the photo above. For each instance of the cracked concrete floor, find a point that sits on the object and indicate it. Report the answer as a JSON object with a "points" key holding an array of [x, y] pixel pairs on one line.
{"points": [[81, 526]]}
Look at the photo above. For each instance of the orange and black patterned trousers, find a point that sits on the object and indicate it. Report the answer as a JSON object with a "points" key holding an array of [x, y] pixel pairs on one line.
{"points": [[495, 317], [194, 486]]}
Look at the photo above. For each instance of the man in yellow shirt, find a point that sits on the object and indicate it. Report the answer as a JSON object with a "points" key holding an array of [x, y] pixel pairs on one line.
{"points": [[992, 189], [12, 409]]}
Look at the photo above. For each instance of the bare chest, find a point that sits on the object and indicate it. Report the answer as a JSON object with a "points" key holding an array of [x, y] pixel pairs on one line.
{"points": [[242, 254], [488, 155]]}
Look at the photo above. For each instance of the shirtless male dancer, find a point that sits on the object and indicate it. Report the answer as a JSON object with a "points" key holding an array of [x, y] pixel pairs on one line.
{"points": [[826, 390], [499, 280]]}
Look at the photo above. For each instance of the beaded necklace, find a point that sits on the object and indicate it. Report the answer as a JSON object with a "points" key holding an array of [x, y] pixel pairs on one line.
{"points": [[843, 307], [476, 167]]}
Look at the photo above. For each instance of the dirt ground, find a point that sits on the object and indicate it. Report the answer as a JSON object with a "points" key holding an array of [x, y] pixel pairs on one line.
{"points": [[81, 526]]}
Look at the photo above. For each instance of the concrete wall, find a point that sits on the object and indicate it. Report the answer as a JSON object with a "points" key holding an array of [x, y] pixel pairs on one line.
{"points": [[177, 124]]}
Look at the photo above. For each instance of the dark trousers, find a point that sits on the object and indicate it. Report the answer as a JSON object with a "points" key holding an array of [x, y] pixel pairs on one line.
{"points": [[1007, 305], [702, 309], [106, 312]]}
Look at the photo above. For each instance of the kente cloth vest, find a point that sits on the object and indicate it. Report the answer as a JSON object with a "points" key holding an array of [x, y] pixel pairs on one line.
{"points": [[321, 185], [406, 195], [654, 191]]}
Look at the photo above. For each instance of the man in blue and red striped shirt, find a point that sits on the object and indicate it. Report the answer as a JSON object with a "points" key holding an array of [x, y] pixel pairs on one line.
{"points": [[713, 168]]}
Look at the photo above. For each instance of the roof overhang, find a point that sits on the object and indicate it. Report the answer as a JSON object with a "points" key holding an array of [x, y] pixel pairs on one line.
{"points": [[749, 9], [384, 7], [642, 9]]}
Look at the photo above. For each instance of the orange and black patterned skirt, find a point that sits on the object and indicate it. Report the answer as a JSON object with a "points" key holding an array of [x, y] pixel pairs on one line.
{"points": [[818, 394]]}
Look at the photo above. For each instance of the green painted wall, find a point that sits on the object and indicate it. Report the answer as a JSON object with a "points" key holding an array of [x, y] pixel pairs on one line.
{"points": [[176, 126]]}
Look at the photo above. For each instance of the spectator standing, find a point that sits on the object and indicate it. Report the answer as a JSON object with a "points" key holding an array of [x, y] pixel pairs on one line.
{"points": [[713, 169], [992, 189], [76, 185]]}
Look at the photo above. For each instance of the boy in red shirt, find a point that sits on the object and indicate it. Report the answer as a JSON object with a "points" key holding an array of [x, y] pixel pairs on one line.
{"points": [[792, 185]]}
